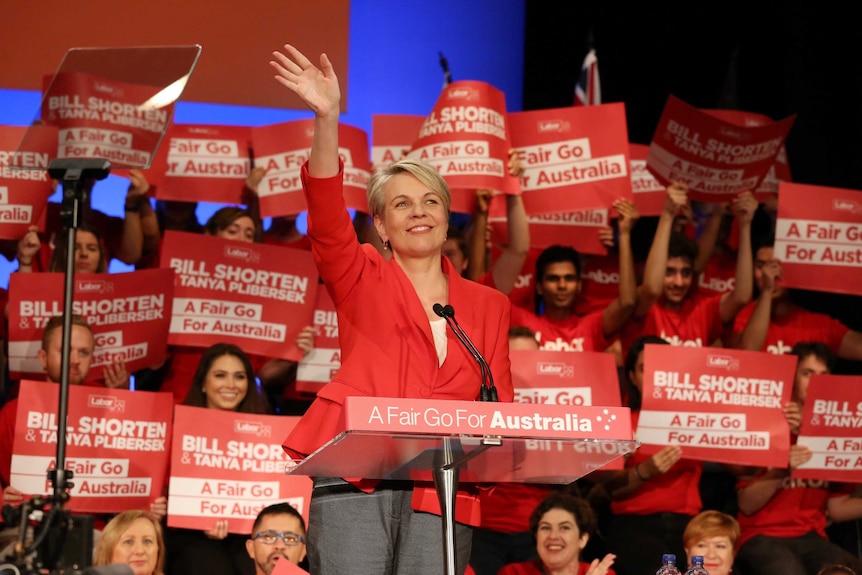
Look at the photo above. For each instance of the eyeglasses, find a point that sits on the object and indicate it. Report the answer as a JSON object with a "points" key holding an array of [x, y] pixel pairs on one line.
{"points": [[289, 538]]}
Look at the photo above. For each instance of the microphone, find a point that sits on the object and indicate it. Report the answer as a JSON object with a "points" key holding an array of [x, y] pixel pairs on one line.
{"points": [[488, 391]]}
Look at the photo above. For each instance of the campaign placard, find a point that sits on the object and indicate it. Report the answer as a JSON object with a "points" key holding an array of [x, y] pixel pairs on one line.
{"points": [[24, 191], [283, 148], [778, 171], [206, 163], [229, 465], [579, 230], [466, 139], [832, 429], [117, 444], [717, 159], [129, 314], [574, 158], [256, 296], [718, 404], [103, 118], [563, 378], [318, 367], [650, 195], [818, 238], [392, 136]]}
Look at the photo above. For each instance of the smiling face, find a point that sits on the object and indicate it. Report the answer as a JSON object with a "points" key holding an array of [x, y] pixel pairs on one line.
{"points": [[717, 554], [678, 276], [414, 220], [558, 540], [226, 383], [138, 547]]}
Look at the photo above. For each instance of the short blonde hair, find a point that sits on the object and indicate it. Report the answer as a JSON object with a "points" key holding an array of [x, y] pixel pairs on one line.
{"points": [[710, 524], [422, 171], [115, 528]]}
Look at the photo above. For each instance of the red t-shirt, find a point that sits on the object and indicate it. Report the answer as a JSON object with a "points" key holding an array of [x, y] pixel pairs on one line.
{"points": [[719, 276], [696, 324], [507, 507], [797, 325], [797, 508], [673, 492], [600, 284], [571, 334]]}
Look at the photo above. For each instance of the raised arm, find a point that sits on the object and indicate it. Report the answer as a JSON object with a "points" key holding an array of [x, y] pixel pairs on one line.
{"points": [[732, 302], [619, 311], [754, 335], [709, 237], [318, 88], [653, 283], [132, 243], [761, 490]]}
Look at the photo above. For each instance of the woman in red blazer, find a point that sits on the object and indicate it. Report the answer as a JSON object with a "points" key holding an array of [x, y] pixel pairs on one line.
{"points": [[392, 342]]}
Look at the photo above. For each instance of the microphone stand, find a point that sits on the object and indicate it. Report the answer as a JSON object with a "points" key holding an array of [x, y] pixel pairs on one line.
{"points": [[77, 177]]}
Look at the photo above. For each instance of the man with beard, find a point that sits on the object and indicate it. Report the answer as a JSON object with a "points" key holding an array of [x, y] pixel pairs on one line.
{"points": [[278, 534]]}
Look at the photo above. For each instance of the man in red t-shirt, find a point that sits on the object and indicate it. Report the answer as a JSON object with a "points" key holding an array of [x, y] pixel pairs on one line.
{"points": [[783, 519], [558, 284], [667, 306], [775, 324]]}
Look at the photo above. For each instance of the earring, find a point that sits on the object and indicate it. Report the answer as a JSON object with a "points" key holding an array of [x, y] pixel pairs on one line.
{"points": [[387, 245]]}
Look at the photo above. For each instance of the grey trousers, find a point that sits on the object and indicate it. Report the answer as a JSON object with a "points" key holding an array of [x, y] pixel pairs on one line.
{"points": [[352, 532]]}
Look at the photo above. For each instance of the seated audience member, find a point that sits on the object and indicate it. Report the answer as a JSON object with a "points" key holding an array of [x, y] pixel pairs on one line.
{"points": [[223, 380], [558, 283], [712, 535], [561, 525], [783, 519], [775, 324], [656, 495], [278, 534], [133, 538], [666, 305]]}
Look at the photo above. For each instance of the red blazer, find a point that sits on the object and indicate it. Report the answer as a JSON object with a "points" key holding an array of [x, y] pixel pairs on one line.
{"points": [[387, 349]]}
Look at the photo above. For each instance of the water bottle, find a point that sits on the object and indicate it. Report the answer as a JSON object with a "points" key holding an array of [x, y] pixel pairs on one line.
{"points": [[668, 565], [697, 567]]}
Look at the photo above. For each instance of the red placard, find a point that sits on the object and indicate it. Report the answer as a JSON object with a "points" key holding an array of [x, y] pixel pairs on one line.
{"points": [[129, 314], [780, 170], [717, 159], [117, 445], [718, 404], [832, 429], [392, 135], [563, 378], [283, 148], [24, 192], [256, 296], [206, 163], [466, 138], [649, 193], [818, 238], [317, 368], [229, 465], [574, 158], [101, 118], [579, 230]]}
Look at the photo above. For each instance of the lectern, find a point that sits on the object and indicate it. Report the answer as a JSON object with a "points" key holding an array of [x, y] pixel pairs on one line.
{"points": [[452, 441]]}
